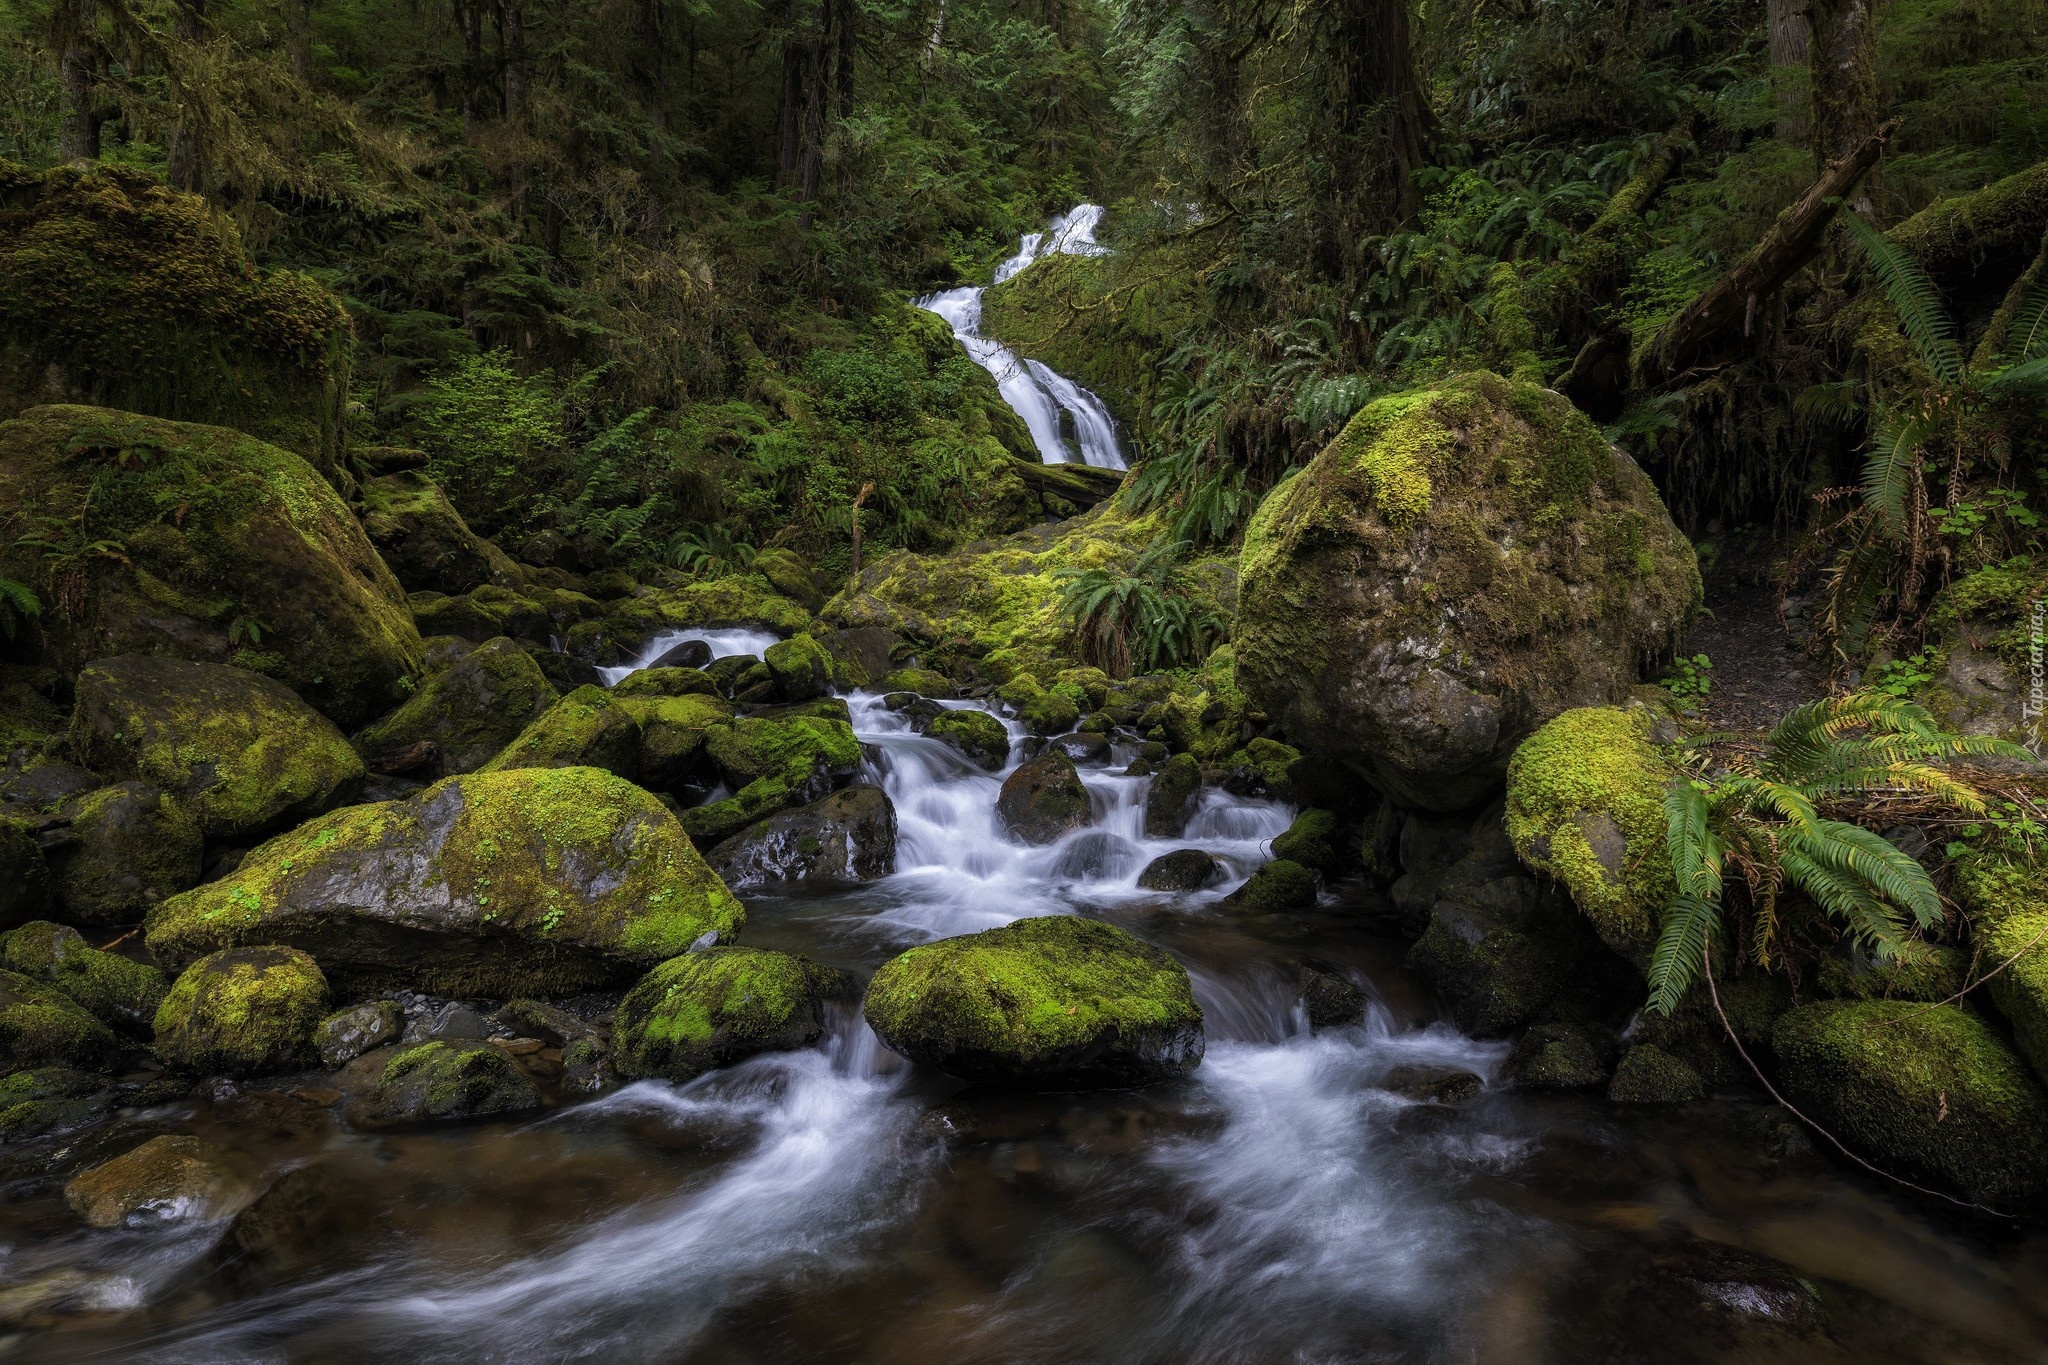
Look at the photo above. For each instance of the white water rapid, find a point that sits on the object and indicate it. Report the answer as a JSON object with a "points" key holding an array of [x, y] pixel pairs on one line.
{"points": [[1065, 419]]}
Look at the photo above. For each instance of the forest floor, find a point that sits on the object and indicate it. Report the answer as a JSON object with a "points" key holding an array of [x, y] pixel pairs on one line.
{"points": [[1760, 671]]}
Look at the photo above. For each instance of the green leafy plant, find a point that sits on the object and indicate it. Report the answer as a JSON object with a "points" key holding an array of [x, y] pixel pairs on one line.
{"points": [[708, 552], [1690, 678], [1136, 622], [1901, 677], [1761, 827], [18, 606]]}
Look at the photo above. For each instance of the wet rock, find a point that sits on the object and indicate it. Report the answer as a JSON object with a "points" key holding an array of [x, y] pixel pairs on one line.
{"points": [[347, 1034], [312, 1217], [1432, 1084], [468, 712], [243, 1012], [923, 681], [1046, 1003], [40, 1024], [1263, 767], [130, 847], [238, 751], [728, 672], [426, 542], [1279, 885], [1483, 493], [976, 734], [169, 1179], [24, 875], [1083, 749], [1184, 869], [1695, 1304], [1928, 1090], [1049, 713], [587, 1068], [527, 881], [920, 711], [773, 763], [1171, 798], [437, 1080], [1043, 800], [694, 654], [1561, 1057], [454, 1022], [1312, 841], [667, 682], [557, 1026], [1329, 1000], [1501, 952], [1095, 856], [588, 728], [114, 989], [849, 836], [862, 657], [799, 667], [50, 1099], [715, 1007], [44, 783], [1650, 1075]]}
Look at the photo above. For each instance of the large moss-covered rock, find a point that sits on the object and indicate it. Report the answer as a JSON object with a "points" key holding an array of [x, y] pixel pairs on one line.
{"points": [[223, 549], [976, 734], [116, 990], [48, 1099], [172, 1178], [131, 845], [1279, 885], [1461, 564], [443, 1080], [1043, 799], [39, 1023], [468, 711], [2008, 906], [426, 542], [588, 728], [1172, 797], [849, 836], [747, 599], [237, 750], [800, 666], [1928, 1091], [533, 881], [1586, 805], [243, 1012], [1053, 1003], [774, 763], [714, 1007], [117, 290]]}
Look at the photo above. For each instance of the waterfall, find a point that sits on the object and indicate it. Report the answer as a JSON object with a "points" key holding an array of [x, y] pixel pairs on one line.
{"points": [[1065, 419]]}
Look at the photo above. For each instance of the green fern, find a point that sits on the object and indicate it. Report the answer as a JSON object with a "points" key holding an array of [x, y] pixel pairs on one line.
{"points": [[1922, 316], [18, 605]]}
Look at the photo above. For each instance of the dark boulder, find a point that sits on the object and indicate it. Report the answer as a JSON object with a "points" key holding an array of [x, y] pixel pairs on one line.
{"points": [[1043, 800], [849, 836]]}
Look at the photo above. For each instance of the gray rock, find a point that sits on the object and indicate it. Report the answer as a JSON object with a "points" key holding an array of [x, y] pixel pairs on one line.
{"points": [[347, 1034], [1432, 1084], [1329, 1000], [849, 836], [1184, 869], [1170, 800], [1043, 800], [688, 654], [440, 1080]]}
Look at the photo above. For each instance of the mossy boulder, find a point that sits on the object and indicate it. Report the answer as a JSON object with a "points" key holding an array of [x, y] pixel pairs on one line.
{"points": [[240, 752], [1585, 805], [227, 551], [1279, 885], [774, 764], [482, 614], [1046, 1003], [533, 881], [1461, 564], [243, 1012], [747, 599], [1561, 1056], [1501, 951], [800, 667], [49, 1099], [2007, 903], [848, 836], [1928, 1091], [976, 734], [172, 1178], [468, 712], [1313, 841], [1043, 799], [715, 1007], [670, 681], [922, 681], [1172, 797], [39, 1023], [438, 1081], [1920, 971], [1184, 869], [588, 728], [130, 847], [425, 541], [1650, 1075], [1050, 713], [118, 290], [114, 989]]}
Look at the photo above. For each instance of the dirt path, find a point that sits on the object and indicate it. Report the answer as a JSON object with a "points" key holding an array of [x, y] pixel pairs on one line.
{"points": [[1759, 672]]}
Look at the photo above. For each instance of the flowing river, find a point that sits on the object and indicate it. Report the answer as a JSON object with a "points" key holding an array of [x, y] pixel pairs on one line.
{"points": [[1288, 1202]]}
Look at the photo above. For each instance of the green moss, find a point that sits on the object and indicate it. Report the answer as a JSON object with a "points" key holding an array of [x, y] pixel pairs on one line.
{"points": [[1920, 972], [1279, 885], [666, 682], [115, 989], [1056, 1000], [46, 1099], [441, 1080], [131, 845], [672, 733], [800, 666], [1585, 805], [114, 285], [469, 711], [974, 733], [1312, 841], [1928, 1090], [922, 681], [587, 728], [714, 1007], [2007, 902], [39, 1023], [1171, 797], [775, 764], [736, 600], [1649, 1075], [1050, 713], [242, 1012], [235, 550], [238, 751], [523, 881]]}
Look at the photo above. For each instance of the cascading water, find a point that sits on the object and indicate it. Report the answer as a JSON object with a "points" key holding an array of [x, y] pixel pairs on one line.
{"points": [[1065, 419]]}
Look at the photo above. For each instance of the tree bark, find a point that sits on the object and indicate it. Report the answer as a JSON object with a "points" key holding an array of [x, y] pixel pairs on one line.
{"points": [[185, 158], [1712, 328], [1384, 113], [1844, 62], [512, 42], [1791, 47], [298, 19], [77, 65], [470, 18]]}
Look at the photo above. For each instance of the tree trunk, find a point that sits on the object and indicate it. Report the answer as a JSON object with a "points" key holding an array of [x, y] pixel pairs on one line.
{"points": [[1791, 44], [298, 18], [77, 64], [1844, 60], [469, 16], [1385, 120], [185, 159], [512, 42], [842, 81], [797, 41]]}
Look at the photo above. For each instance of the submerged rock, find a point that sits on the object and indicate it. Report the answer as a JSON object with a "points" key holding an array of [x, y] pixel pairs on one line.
{"points": [[1461, 564], [243, 1012], [238, 751], [130, 847], [169, 1179], [444, 1080], [977, 734], [715, 1007], [114, 989], [1043, 800], [849, 836], [1184, 869], [467, 712], [1045, 1003], [530, 881], [1432, 1084], [208, 517], [1928, 1090]]}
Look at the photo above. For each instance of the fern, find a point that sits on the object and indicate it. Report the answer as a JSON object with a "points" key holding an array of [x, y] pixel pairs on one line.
{"points": [[18, 604], [1922, 317]]}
